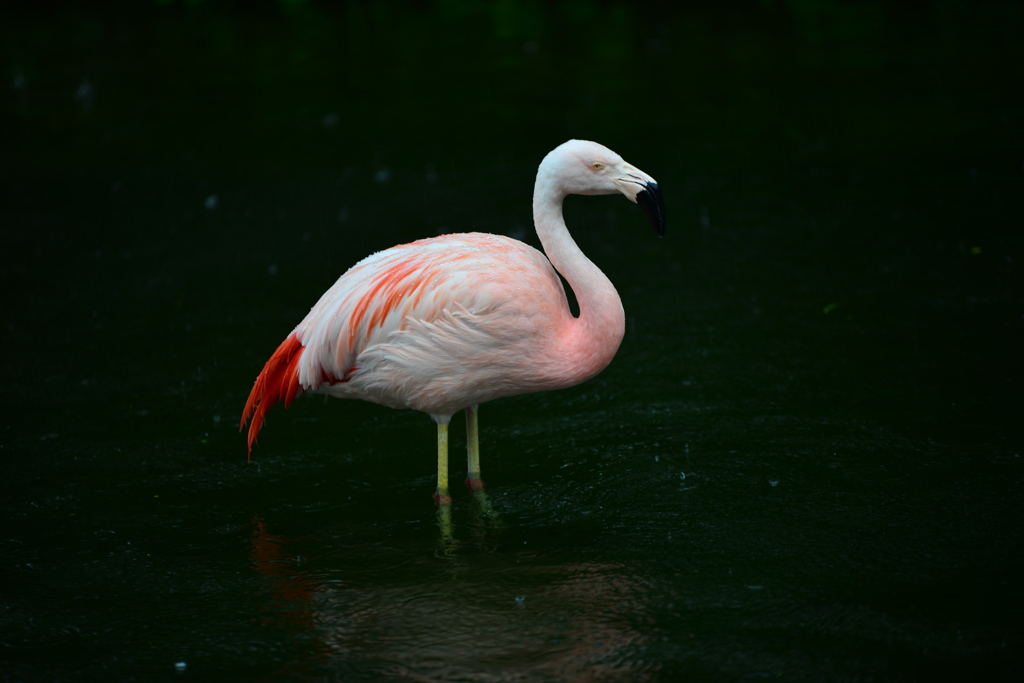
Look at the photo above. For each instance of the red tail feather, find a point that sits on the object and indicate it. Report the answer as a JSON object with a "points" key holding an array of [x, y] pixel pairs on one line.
{"points": [[279, 380]]}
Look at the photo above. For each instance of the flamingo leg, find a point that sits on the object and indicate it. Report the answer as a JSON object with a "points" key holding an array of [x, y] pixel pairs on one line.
{"points": [[442, 497], [473, 480]]}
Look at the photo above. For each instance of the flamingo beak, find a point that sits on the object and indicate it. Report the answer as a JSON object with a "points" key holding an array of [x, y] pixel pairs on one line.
{"points": [[649, 199]]}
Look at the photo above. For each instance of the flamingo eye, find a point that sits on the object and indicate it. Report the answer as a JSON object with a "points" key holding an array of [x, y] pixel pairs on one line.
{"points": [[597, 166]]}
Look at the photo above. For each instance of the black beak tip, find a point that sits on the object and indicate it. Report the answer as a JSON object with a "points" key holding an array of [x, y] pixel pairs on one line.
{"points": [[652, 204]]}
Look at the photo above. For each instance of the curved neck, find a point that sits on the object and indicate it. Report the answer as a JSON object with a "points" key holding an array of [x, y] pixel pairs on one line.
{"points": [[594, 337]]}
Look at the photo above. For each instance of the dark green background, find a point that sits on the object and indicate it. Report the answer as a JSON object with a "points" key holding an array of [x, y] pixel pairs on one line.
{"points": [[803, 465]]}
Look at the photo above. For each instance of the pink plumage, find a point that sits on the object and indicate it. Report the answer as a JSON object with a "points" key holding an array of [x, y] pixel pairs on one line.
{"points": [[450, 322]]}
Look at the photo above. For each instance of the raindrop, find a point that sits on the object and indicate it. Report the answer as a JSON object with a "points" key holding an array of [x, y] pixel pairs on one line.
{"points": [[85, 94], [211, 201]]}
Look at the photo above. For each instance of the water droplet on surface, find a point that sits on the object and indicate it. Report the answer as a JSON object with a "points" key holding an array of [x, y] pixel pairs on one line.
{"points": [[85, 94]]}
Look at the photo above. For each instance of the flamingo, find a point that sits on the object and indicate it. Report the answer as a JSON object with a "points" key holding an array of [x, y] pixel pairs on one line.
{"points": [[446, 323]]}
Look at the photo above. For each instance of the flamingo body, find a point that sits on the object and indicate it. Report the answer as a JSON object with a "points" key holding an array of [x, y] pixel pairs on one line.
{"points": [[450, 322]]}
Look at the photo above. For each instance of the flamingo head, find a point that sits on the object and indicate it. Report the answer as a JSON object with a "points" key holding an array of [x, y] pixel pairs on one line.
{"points": [[584, 167]]}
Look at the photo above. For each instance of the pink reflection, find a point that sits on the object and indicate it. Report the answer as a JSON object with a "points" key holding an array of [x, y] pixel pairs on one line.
{"points": [[475, 618]]}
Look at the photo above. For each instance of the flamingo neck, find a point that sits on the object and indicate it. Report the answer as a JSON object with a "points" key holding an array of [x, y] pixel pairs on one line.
{"points": [[592, 339]]}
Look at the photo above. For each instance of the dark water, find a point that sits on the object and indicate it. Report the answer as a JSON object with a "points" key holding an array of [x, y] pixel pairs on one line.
{"points": [[805, 463]]}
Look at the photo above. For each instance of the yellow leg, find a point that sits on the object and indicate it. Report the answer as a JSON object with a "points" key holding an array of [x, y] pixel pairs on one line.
{"points": [[442, 496], [473, 450]]}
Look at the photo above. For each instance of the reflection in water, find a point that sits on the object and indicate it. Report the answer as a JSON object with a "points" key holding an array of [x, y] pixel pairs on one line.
{"points": [[459, 614], [484, 518], [286, 601]]}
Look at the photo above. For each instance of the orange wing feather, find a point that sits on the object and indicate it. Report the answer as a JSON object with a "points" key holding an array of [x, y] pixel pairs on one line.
{"points": [[278, 381]]}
